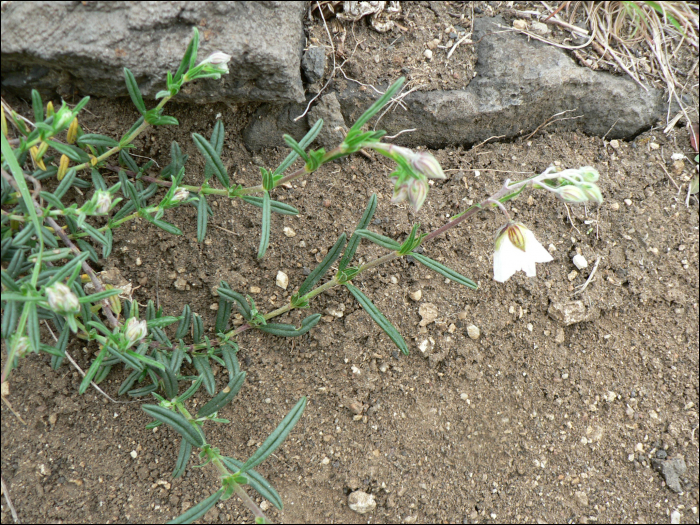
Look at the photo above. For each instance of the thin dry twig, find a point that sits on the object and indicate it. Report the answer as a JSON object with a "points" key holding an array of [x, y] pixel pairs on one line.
{"points": [[552, 120], [590, 277], [6, 493], [669, 176]]}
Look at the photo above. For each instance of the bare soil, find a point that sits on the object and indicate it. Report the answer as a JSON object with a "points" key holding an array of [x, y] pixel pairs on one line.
{"points": [[532, 421]]}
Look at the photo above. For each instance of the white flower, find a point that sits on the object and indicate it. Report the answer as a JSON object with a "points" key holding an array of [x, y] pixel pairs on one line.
{"points": [[62, 300], [517, 249], [218, 62], [180, 194], [103, 200], [135, 330]]}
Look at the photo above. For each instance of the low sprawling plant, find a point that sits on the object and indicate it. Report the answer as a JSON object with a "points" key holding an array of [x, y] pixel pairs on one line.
{"points": [[48, 246]]}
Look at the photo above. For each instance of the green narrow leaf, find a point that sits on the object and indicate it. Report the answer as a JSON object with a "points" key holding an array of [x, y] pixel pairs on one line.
{"points": [[222, 315], [289, 330], [376, 238], [61, 346], [294, 145], [378, 105], [107, 248], [256, 482], [185, 320], [170, 384], [194, 43], [134, 91], [197, 328], [177, 422], [265, 234], [37, 106], [73, 153], [202, 216], [65, 183], [304, 143], [355, 239], [224, 397], [94, 233], [185, 63], [94, 367], [322, 268], [210, 155], [201, 363], [229, 354], [52, 200], [200, 509], [276, 206], [182, 458], [275, 439], [98, 296], [217, 142], [444, 270], [94, 139], [241, 302], [67, 269], [33, 330], [378, 318]]}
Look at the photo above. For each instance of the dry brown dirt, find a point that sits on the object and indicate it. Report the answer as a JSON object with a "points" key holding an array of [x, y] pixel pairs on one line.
{"points": [[534, 421]]}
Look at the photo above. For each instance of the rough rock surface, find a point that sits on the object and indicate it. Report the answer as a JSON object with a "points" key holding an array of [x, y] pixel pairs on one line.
{"points": [[82, 47], [519, 86]]}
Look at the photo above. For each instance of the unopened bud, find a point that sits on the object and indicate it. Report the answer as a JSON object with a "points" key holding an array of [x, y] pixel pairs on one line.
{"points": [[103, 201], [62, 119], [417, 192], [21, 345], [572, 194], [589, 174], [62, 167], [424, 163], [72, 135], [50, 112], [135, 330], [592, 192], [3, 121], [180, 194], [218, 61], [34, 152], [62, 300]]}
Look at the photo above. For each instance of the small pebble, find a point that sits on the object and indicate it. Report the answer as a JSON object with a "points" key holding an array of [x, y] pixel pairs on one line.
{"points": [[473, 332], [520, 24], [615, 144], [254, 289], [654, 145], [361, 502], [580, 261], [628, 202], [615, 206], [416, 296], [572, 275], [288, 231], [428, 54], [282, 280], [675, 517], [539, 28]]}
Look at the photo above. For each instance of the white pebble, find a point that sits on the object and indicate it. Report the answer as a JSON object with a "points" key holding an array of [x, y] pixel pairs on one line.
{"points": [[416, 296], [428, 54], [580, 261], [473, 331], [361, 502], [288, 231], [282, 280], [675, 517]]}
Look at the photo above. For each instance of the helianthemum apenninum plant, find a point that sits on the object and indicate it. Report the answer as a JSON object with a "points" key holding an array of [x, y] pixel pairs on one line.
{"points": [[51, 238]]}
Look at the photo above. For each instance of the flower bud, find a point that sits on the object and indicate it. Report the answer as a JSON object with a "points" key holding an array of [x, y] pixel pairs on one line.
{"points": [[103, 201], [572, 194], [180, 194], [62, 167], [50, 112], [592, 192], [417, 192], [3, 122], [426, 164], [62, 119], [218, 61], [62, 300], [72, 135], [34, 152], [589, 174], [135, 330], [21, 345]]}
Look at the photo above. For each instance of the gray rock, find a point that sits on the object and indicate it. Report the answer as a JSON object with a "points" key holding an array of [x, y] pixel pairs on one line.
{"points": [[313, 64], [270, 122], [671, 470], [519, 85], [334, 129], [89, 43], [571, 312]]}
